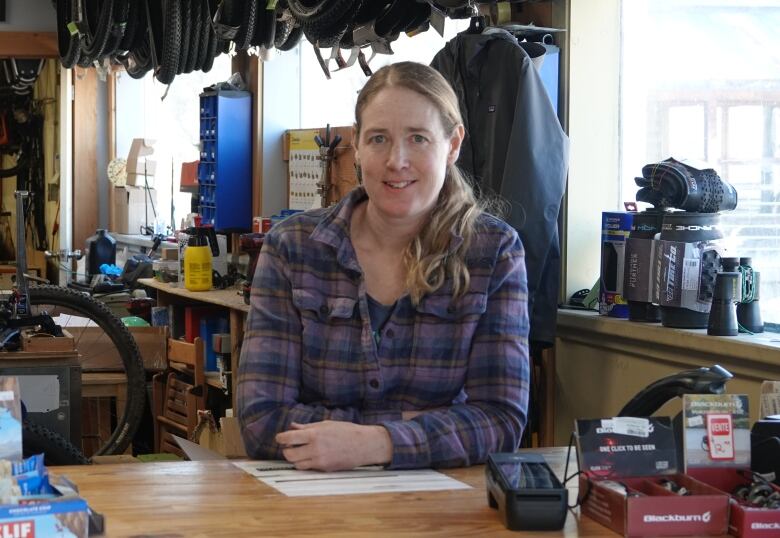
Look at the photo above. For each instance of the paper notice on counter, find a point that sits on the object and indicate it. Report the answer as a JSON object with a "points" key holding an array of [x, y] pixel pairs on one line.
{"points": [[281, 476]]}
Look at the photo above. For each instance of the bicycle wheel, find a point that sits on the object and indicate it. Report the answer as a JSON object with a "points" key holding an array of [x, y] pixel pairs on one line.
{"points": [[56, 450], [104, 344]]}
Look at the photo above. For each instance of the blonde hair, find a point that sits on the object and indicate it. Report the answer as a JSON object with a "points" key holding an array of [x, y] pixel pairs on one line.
{"points": [[428, 258]]}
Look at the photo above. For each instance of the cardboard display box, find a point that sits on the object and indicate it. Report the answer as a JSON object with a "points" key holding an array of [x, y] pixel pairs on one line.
{"points": [[130, 209], [139, 164], [625, 464]]}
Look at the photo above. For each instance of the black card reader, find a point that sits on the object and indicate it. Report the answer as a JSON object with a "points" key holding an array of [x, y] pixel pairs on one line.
{"points": [[525, 491]]}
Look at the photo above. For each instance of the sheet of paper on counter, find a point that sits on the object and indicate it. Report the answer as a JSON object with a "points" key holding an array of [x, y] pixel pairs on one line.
{"points": [[281, 476]]}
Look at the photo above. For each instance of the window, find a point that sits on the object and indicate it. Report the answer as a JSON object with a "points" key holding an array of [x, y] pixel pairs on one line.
{"points": [[173, 123], [700, 79], [333, 101]]}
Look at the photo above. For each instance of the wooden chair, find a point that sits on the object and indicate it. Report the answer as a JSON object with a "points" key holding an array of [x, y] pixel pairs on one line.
{"points": [[178, 393]]}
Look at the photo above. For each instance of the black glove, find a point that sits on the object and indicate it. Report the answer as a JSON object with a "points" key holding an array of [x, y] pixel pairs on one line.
{"points": [[671, 183]]}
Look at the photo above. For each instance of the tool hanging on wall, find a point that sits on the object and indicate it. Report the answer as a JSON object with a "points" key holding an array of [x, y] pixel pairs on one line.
{"points": [[327, 149]]}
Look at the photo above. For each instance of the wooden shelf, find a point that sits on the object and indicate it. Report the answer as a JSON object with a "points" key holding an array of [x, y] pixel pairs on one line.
{"points": [[230, 298]]}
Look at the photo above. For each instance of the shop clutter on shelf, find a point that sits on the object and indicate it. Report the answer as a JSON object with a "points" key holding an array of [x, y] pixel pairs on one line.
{"points": [[688, 476], [668, 264]]}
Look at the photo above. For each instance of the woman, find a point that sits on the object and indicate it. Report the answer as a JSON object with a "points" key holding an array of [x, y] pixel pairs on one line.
{"points": [[391, 328]]}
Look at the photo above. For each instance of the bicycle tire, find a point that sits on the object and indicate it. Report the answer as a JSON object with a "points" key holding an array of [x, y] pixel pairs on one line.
{"points": [[323, 34], [74, 306], [265, 28], [283, 30], [186, 29], [322, 11], [246, 31], [117, 28], [293, 39], [195, 32], [56, 450], [133, 24], [211, 51], [204, 40], [69, 45], [94, 42], [169, 60]]}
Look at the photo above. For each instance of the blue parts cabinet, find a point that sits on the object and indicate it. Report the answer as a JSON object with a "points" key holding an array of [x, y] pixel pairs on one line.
{"points": [[225, 169]]}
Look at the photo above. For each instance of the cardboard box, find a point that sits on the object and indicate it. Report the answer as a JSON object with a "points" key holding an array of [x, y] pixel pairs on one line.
{"points": [[745, 521], [133, 209], [625, 462], [139, 164], [770, 399], [226, 441], [102, 356]]}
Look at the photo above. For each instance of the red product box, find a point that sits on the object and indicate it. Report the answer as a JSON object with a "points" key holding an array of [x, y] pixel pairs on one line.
{"points": [[631, 484], [746, 521], [646, 508]]}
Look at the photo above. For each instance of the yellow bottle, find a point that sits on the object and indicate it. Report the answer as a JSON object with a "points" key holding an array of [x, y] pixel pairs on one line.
{"points": [[197, 258]]}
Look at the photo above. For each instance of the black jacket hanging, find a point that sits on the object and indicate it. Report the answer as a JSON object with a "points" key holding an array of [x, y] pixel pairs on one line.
{"points": [[514, 147]]}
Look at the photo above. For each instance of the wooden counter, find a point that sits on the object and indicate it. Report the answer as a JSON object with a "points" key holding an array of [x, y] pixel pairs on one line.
{"points": [[215, 498]]}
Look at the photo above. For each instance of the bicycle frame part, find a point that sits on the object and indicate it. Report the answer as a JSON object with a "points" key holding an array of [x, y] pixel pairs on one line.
{"points": [[21, 256]]}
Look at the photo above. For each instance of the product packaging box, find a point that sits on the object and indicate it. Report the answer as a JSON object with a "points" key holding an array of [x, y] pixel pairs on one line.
{"points": [[140, 167], [718, 452], [133, 209], [630, 481], [47, 505], [615, 227], [689, 270]]}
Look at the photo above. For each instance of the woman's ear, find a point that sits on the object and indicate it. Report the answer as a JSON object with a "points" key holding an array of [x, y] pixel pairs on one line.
{"points": [[455, 142]]}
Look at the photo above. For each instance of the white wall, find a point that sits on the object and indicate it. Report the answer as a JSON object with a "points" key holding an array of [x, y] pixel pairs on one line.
{"points": [[594, 91], [29, 16]]}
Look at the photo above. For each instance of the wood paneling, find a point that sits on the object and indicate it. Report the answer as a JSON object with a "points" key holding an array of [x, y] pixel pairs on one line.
{"points": [[85, 193], [28, 45]]}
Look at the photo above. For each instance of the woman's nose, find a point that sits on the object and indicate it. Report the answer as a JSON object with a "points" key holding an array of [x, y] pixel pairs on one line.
{"points": [[398, 157]]}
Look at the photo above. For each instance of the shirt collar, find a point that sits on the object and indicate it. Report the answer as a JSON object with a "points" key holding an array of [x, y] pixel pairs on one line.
{"points": [[333, 229]]}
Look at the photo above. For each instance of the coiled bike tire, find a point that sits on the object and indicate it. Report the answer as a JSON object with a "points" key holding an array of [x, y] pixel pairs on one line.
{"points": [[171, 42], [186, 29], [97, 332], [322, 11], [69, 45], [292, 39], [99, 22], [56, 450]]}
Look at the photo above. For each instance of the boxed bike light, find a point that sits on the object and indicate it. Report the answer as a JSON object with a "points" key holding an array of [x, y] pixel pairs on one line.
{"points": [[630, 482], [615, 229]]}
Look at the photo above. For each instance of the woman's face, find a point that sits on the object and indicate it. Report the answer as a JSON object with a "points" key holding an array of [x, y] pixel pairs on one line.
{"points": [[404, 152]]}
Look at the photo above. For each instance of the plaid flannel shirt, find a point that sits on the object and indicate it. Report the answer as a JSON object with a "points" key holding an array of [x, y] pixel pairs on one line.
{"points": [[309, 355]]}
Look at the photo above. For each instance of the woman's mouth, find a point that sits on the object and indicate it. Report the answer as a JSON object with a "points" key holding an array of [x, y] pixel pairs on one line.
{"points": [[398, 184]]}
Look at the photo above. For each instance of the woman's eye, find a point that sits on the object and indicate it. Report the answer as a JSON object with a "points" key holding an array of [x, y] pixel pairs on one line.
{"points": [[418, 139]]}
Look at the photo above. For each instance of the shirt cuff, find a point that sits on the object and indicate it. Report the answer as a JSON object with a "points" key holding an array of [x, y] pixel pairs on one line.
{"points": [[410, 445]]}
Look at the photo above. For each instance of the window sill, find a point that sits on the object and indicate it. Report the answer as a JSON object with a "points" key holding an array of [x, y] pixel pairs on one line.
{"points": [[760, 348]]}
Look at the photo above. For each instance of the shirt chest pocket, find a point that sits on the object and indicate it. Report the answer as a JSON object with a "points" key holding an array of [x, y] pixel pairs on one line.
{"points": [[444, 331], [329, 324]]}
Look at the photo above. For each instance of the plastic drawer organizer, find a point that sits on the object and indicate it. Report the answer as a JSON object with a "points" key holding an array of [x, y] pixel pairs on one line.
{"points": [[225, 169]]}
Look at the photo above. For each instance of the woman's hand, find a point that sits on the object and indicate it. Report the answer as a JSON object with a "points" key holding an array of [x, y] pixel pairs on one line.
{"points": [[334, 446]]}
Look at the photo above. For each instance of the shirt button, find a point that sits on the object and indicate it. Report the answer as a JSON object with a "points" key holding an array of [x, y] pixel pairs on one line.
{"points": [[374, 384], [451, 309], [389, 333], [324, 310]]}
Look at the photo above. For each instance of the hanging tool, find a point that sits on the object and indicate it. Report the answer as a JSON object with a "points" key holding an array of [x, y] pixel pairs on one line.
{"points": [[327, 151]]}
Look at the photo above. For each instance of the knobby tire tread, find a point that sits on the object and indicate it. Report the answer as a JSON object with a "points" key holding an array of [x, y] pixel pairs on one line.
{"points": [[57, 450], [169, 61], [126, 347]]}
